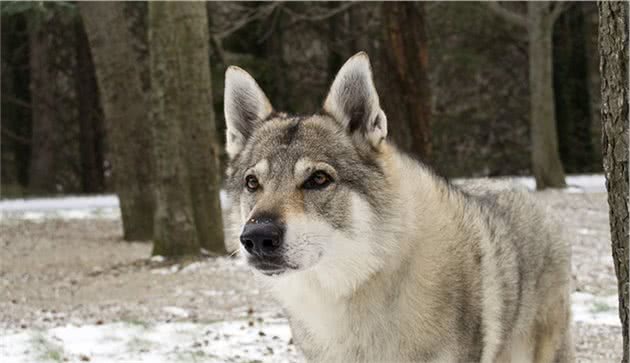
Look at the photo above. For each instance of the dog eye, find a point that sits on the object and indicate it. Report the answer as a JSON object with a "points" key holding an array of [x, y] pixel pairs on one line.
{"points": [[318, 180], [251, 182]]}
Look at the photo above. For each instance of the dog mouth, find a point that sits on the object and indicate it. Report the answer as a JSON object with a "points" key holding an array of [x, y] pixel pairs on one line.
{"points": [[270, 266]]}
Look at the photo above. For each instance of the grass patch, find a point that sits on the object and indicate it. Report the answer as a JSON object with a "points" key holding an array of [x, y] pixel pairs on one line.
{"points": [[137, 322], [599, 307], [47, 350]]}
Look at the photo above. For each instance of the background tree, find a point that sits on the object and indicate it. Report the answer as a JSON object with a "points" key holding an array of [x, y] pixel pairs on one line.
{"points": [[90, 115], [188, 213], [43, 98], [541, 16], [394, 36], [478, 81], [613, 42], [572, 98], [120, 67], [407, 89]]}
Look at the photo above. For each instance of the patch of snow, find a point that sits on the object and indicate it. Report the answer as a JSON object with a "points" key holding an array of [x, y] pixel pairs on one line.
{"points": [[192, 267], [166, 271], [70, 207], [174, 310], [575, 183], [68, 202], [157, 258], [588, 183], [212, 293], [586, 231], [229, 341], [590, 309]]}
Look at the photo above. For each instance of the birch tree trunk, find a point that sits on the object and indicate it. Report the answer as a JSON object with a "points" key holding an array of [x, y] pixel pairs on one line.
{"points": [[613, 48], [118, 72]]}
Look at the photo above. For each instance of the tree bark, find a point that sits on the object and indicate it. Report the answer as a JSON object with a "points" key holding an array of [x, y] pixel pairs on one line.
{"points": [[408, 99], [546, 163], [91, 127], [188, 214], [573, 111], [42, 88], [541, 15], [124, 101], [613, 46]]}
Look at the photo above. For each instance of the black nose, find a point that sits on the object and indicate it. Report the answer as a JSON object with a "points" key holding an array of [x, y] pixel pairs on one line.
{"points": [[261, 239]]}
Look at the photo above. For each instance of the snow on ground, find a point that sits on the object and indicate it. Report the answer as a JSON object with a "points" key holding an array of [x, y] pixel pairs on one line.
{"points": [[242, 340], [575, 183], [590, 309], [130, 342], [76, 207]]}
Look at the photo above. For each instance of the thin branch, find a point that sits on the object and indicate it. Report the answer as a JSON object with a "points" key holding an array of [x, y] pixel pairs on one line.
{"points": [[297, 17], [217, 43], [16, 101], [558, 8], [507, 15], [272, 27], [258, 13], [16, 137]]}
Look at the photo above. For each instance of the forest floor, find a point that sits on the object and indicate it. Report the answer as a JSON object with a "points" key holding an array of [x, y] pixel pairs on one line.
{"points": [[72, 290]]}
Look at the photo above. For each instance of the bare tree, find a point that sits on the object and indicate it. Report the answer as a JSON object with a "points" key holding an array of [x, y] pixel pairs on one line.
{"points": [[394, 35], [90, 115], [572, 94], [44, 118], [405, 53], [188, 213], [538, 22], [613, 48], [119, 68]]}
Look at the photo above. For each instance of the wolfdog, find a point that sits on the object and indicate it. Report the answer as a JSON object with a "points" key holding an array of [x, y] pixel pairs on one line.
{"points": [[373, 256]]}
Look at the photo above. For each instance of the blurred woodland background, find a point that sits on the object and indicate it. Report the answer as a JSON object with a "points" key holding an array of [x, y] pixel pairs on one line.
{"points": [[453, 77], [127, 97]]}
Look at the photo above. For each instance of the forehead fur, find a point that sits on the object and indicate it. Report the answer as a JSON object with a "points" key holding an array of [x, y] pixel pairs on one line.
{"points": [[283, 140]]}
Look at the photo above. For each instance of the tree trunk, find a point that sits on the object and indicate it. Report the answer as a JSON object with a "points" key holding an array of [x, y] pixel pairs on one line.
{"points": [[91, 128], [124, 101], [613, 45], [407, 100], [188, 213], [42, 89], [546, 163], [573, 111]]}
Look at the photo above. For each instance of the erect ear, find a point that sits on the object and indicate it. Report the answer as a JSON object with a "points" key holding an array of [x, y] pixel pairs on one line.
{"points": [[245, 106], [353, 101]]}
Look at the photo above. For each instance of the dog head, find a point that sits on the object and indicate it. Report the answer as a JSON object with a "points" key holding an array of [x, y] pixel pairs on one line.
{"points": [[310, 190]]}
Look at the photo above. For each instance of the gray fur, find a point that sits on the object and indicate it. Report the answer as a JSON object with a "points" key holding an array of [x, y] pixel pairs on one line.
{"points": [[392, 263]]}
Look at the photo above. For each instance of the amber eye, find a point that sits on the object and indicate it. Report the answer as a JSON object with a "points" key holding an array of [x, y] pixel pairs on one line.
{"points": [[318, 180], [251, 183]]}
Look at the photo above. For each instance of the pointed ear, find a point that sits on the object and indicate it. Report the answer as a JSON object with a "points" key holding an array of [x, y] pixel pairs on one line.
{"points": [[353, 101], [245, 106]]}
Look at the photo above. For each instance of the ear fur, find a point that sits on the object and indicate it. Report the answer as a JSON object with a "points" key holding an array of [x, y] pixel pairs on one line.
{"points": [[353, 101], [245, 106]]}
